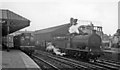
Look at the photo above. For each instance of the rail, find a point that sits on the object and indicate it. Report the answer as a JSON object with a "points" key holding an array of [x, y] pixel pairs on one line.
{"points": [[51, 65], [73, 62]]}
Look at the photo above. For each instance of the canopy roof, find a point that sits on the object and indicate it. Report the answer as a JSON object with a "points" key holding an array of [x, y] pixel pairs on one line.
{"points": [[13, 20]]}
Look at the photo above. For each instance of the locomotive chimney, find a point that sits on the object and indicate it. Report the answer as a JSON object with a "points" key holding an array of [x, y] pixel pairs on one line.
{"points": [[93, 31], [71, 21]]}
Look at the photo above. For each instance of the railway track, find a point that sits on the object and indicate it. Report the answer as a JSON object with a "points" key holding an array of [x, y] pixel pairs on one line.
{"points": [[58, 64], [111, 61], [110, 65], [44, 64], [76, 64], [107, 64]]}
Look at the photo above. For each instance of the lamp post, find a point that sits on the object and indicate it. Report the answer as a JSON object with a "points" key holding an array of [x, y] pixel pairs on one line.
{"points": [[1, 33], [8, 29]]}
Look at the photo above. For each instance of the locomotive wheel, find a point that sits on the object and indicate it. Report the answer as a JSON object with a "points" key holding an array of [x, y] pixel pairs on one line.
{"points": [[30, 54], [91, 60], [8, 50]]}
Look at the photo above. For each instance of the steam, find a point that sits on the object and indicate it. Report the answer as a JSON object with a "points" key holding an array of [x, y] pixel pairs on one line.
{"points": [[77, 27], [50, 47], [74, 29], [74, 26]]}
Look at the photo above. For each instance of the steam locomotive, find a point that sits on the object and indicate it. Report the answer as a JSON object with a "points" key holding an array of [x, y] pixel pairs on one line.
{"points": [[83, 45]]}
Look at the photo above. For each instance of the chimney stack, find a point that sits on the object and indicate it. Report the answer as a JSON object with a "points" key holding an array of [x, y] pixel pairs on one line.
{"points": [[93, 31]]}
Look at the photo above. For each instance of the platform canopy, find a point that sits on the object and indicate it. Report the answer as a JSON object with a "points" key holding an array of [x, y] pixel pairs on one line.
{"points": [[12, 22]]}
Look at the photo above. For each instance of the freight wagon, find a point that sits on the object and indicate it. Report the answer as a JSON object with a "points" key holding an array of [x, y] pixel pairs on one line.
{"points": [[7, 41]]}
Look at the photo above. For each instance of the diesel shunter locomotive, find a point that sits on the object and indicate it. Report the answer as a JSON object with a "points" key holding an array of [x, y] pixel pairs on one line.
{"points": [[25, 42]]}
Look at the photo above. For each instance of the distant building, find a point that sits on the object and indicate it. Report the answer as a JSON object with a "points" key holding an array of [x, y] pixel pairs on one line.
{"points": [[106, 41]]}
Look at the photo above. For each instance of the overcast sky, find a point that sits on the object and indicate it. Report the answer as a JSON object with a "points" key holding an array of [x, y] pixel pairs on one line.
{"points": [[49, 13]]}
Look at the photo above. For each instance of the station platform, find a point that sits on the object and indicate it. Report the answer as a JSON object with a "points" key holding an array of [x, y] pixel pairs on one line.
{"points": [[17, 60]]}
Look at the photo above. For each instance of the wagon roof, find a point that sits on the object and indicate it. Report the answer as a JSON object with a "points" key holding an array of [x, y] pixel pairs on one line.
{"points": [[15, 21]]}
